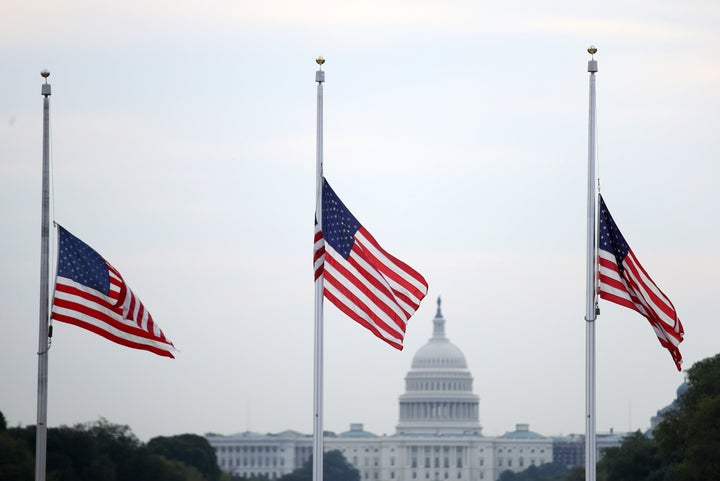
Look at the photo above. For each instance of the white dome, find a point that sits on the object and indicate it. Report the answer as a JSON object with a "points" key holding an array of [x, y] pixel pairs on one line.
{"points": [[439, 353], [438, 396]]}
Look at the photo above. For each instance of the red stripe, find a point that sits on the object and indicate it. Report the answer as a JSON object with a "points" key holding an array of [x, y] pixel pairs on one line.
{"points": [[72, 290], [632, 262], [114, 322], [377, 303], [370, 285], [643, 300], [350, 313], [388, 272], [111, 337]]}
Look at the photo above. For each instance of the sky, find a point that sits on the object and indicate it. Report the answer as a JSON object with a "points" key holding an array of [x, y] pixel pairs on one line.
{"points": [[183, 150]]}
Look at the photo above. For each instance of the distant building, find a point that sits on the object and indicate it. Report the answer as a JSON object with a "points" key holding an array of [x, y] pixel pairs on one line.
{"points": [[660, 416], [570, 450], [438, 436]]}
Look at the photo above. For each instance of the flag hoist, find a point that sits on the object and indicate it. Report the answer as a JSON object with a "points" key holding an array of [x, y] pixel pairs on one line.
{"points": [[88, 292], [615, 274], [591, 286], [44, 330], [357, 275]]}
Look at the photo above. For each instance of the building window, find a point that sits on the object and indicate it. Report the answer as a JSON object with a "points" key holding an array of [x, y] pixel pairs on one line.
{"points": [[392, 474]]}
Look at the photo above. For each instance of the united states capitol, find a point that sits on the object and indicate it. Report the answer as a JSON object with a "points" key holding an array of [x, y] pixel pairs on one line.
{"points": [[438, 436]]}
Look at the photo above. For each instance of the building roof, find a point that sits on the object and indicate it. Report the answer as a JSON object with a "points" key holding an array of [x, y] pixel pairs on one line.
{"points": [[522, 431], [357, 431], [439, 352]]}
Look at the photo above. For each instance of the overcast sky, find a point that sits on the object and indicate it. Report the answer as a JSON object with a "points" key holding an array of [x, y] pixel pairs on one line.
{"points": [[183, 150]]}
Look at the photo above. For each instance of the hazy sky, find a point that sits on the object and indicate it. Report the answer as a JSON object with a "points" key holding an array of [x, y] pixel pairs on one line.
{"points": [[183, 150]]}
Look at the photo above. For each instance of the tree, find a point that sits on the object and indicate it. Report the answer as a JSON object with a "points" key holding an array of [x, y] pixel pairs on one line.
{"points": [[191, 449], [335, 468], [689, 437], [636, 459], [16, 459], [544, 472]]}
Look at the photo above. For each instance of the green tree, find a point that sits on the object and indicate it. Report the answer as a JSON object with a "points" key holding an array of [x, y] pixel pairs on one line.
{"points": [[636, 459], [191, 449], [335, 468], [16, 459], [689, 437], [544, 472]]}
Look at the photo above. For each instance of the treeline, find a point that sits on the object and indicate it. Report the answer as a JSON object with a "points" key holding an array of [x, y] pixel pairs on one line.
{"points": [[101, 451], [684, 447]]}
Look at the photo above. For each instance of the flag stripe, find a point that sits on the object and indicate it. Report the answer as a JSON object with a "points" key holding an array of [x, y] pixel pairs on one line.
{"points": [[404, 277], [375, 302], [360, 278], [624, 281], [113, 312], [71, 298]]}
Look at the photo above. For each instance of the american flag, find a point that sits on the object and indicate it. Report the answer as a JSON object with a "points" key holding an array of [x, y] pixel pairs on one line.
{"points": [[624, 281], [90, 293], [364, 281]]}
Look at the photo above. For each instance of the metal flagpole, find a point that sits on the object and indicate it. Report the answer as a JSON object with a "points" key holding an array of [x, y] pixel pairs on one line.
{"points": [[318, 363], [44, 335], [590, 292]]}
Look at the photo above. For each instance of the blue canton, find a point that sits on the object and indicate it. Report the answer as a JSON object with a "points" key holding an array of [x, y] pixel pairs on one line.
{"points": [[611, 240], [339, 225], [79, 262]]}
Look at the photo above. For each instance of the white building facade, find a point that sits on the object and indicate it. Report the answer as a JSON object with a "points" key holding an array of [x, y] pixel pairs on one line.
{"points": [[438, 436]]}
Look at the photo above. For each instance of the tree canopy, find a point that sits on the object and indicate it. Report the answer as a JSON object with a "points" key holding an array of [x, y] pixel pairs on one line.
{"points": [[335, 468]]}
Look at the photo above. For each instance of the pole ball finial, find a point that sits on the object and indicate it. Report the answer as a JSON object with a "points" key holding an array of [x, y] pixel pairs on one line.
{"points": [[320, 61], [45, 73], [592, 49]]}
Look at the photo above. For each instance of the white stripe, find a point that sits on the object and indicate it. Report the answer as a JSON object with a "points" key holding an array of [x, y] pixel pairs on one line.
{"points": [[93, 305], [362, 314], [112, 330], [649, 283], [645, 296], [409, 280], [349, 285], [392, 303]]}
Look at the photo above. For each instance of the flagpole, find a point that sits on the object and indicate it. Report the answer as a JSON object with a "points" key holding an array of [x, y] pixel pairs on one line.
{"points": [[44, 335], [590, 292], [318, 362]]}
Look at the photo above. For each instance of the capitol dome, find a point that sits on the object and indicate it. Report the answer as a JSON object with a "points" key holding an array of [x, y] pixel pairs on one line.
{"points": [[438, 395], [439, 352]]}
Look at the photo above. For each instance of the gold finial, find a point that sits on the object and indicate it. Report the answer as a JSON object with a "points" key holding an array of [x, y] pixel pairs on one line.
{"points": [[592, 49], [45, 74], [320, 61]]}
